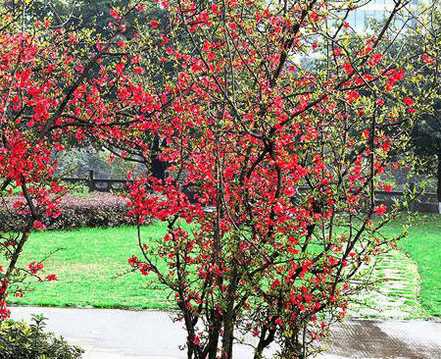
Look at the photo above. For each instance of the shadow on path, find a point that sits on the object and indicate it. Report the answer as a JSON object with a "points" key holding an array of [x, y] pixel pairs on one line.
{"points": [[115, 334]]}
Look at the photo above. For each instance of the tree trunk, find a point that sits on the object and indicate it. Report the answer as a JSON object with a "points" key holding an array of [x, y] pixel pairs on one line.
{"points": [[214, 334], [230, 317], [228, 337], [13, 262], [438, 189], [23, 239], [158, 167], [264, 341]]}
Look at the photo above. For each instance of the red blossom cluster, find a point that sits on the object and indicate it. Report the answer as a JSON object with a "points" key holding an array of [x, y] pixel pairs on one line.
{"points": [[35, 267]]}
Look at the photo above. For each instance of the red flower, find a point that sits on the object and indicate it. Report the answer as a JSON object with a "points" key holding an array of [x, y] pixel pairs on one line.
{"points": [[279, 322], [379, 102], [352, 96], [51, 277], [196, 340], [313, 16], [393, 76], [38, 225], [3, 286], [408, 101], [133, 260], [121, 44], [140, 8], [34, 267], [154, 24], [387, 187], [120, 68], [4, 311], [275, 284], [427, 59], [144, 268], [115, 14], [380, 210], [375, 59], [347, 67]]}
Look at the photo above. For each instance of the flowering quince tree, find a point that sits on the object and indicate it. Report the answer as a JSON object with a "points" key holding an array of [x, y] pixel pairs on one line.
{"points": [[273, 115], [56, 88], [281, 121], [26, 164]]}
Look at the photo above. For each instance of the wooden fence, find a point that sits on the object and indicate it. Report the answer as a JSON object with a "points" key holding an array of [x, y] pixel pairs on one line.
{"points": [[426, 202], [98, 184]]}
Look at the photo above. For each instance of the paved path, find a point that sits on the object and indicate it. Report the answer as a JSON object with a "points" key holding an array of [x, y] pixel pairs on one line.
{"points": [[118, 334], [394, 293]]}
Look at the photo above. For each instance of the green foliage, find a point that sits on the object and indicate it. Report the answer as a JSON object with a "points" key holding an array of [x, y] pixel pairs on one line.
{"points": [[76, 162], [19, 340], [426, 135], [422, 58]]}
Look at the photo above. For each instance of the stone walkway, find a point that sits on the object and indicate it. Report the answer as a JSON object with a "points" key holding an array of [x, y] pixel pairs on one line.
{"points": [[118, 334], [394, 293]]}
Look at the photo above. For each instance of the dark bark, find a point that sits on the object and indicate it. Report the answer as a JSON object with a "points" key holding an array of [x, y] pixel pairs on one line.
{"points": [[15, 255], [266, 338], [158, 167], [213, 340], [228, 337], [438, 176], [230, 316]]}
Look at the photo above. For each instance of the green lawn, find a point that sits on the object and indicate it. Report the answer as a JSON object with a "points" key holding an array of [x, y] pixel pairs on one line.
{"points": [[91, 264], [92, 269], [423, 245]]}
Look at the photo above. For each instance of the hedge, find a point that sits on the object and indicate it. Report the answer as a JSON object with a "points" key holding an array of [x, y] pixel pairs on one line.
{"points": [[97, 209]]}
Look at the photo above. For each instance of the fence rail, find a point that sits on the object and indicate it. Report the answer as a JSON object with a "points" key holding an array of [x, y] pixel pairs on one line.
{"points": [[97, 184], [427, 202]]}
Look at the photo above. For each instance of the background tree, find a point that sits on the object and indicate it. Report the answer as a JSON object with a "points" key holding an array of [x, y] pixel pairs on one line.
{"points": [[426, 138], [418, 51], [426, 46]]}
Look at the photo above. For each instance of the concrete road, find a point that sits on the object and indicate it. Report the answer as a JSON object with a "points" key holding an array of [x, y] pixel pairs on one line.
{"points": [[119, 334]]}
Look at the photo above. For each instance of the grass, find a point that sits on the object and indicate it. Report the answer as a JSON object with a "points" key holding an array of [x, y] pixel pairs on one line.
{"points": [[89, 264], [423, 245], [92, 269]]}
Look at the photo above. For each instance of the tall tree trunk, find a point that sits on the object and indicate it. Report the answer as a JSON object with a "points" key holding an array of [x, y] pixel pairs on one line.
{"points": [[266, 338], [438, 189]]}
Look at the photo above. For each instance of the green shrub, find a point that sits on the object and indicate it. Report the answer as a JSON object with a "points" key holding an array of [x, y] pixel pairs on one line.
{"points": [[20, 340]]}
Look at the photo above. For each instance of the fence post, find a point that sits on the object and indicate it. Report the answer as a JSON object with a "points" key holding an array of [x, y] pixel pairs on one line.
{"points": [[91, 181]]}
